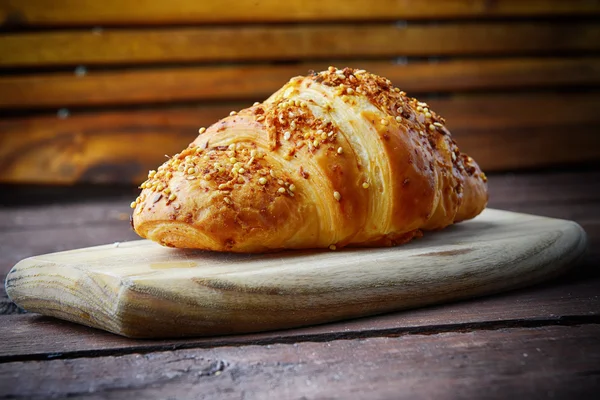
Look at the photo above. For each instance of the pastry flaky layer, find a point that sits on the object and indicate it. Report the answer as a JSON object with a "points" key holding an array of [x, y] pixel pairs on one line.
{"points": [[338, 158]]}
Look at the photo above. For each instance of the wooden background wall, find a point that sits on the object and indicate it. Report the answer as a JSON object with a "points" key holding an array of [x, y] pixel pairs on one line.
{"points": [[100, 91]]}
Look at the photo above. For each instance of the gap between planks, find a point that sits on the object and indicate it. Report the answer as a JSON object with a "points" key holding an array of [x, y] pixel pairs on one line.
{"points": [[31, 336], [428, 330], [561, 362]]}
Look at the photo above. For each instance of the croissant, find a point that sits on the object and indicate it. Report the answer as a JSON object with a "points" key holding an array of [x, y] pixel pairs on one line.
{"points": [[337, 158]]}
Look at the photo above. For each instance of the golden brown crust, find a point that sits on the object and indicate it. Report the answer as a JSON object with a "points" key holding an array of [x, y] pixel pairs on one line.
{"points": [[337, 158]]}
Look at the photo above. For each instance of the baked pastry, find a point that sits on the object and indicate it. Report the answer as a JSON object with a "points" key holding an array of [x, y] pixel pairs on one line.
{"points": [[337, 158]]}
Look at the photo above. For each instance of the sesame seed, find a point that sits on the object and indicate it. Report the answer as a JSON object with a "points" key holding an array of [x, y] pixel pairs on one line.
{"points": [[400, 110], [427, 115], [453, 156], [231, 146], [303, 104], [280, 182], [350, 91], [241, 170], [438, 124], [360, 71], [227, 200], [172, 197], [425, 110], [340, 150], [337, 196], [292, 188], [252, 153], [293, 125], [421, 104], [151, 173], [262, 181], [201, 130], [160, 187], [167, 191], [233, 113], [240, 179], [281, 190], [133, 204], [332, 247], [331, 69], [287, 135], [234, 170], [260, 118], [233, 160], [398, 119], [256, 103], [222, 186], [272, 173], [319, 132], [431, 127], [330, 134], [365, 185], [323, 136], [315, 143], [191, 171], [385, 122], [307, 135]]}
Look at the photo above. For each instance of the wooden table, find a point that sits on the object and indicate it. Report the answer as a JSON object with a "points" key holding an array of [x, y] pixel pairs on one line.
{"points": [[541, 342]]}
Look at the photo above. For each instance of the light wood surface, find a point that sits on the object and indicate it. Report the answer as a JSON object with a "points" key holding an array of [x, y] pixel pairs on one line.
{"points": [[140, 289]]}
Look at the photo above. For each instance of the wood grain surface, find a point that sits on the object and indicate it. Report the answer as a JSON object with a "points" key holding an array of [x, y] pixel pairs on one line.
{"points": [[135, 288], [87, 12], [500, 131], [34, 337], [211, 44], [495, 364], [164, 85]]}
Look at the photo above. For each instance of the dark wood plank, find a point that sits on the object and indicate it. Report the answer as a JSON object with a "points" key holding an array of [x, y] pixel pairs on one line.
{"points": [[555, 362], [126, 46], [30, 336], [258, 82], [89, 12], [501, 132]]}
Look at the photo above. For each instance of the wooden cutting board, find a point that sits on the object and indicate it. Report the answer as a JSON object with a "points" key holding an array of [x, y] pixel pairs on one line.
{"points": [[140, 289]]}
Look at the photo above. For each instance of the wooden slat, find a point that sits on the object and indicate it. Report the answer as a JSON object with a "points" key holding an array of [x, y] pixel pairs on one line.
{"points": [[509, 363], [258, 82], [82, 12], [500, 132], [33, 336], [125, 46]]}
